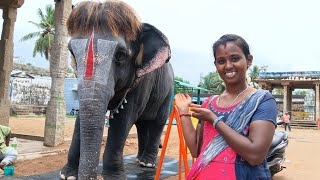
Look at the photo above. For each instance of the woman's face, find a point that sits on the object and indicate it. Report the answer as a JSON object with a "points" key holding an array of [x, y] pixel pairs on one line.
{"points": [[231, 63]]}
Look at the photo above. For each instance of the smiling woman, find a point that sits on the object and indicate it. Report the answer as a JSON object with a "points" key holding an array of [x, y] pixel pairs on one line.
{"points": [[237, 126]]}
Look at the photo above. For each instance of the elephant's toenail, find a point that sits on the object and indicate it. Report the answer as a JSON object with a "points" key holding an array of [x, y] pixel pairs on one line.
{"points": [[71, 178], [142, 163], [150, 165], [62, 176]]}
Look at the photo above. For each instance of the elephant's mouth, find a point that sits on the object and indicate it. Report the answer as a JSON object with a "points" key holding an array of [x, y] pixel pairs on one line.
{"points": [[119, 97]]}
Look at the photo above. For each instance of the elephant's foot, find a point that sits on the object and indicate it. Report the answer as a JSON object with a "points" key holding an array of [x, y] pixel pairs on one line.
{"points": [[147, 162], [68, 173], [138, 157], [114, 176]]}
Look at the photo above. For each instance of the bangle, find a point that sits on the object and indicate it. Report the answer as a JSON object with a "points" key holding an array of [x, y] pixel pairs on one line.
{"points": [[187, 114], [217, 120]]}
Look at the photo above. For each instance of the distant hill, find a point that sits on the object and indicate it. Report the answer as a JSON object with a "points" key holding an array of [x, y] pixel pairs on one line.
{"points": [[31, 69], [35, 70]]}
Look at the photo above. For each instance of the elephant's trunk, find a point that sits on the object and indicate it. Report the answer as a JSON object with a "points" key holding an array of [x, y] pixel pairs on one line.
{"points": [[93, 100]]}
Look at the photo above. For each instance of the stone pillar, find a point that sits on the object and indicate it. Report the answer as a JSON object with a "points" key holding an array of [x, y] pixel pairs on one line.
{"points": [[285, 98], [289, 102], [6, 61], [56, 109], [317, 102]]}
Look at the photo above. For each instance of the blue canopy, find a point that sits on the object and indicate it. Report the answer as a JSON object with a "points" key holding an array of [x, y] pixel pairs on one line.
{"points": [[189, 86]]}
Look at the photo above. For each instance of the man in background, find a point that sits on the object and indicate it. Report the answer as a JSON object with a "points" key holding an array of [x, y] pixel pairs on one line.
{"points": [[286, 119]]}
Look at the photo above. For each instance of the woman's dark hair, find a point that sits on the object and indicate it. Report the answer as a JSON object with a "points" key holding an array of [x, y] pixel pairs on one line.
{"points": [[238, 40]]}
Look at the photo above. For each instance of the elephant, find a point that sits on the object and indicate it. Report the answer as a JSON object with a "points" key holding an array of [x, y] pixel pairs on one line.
{"points": [[122, 65]]}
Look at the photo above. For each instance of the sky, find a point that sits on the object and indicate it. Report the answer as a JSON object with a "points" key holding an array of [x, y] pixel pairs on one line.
{"points": [[283, 35]]}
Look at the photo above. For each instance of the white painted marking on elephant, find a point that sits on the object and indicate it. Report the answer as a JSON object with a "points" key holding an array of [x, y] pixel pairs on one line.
{"points": [[105, 54], [78, 47], [169, 163], [159, 59]]}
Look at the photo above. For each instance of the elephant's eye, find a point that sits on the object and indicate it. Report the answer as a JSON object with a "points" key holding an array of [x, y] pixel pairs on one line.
{"points": [[120, 56]]}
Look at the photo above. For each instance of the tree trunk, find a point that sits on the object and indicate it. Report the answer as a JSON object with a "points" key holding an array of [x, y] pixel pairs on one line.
{"points": [[56, 109]]}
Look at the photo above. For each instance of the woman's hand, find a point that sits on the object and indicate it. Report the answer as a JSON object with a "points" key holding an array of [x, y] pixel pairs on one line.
{"points": [[202, 114], [183, 102]]}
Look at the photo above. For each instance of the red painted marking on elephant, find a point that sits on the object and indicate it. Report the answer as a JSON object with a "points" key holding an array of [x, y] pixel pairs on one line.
{"points": [[90, 58]]}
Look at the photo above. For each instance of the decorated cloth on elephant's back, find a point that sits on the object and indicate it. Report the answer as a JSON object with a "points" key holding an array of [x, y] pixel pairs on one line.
{"points": [[228, 165]]}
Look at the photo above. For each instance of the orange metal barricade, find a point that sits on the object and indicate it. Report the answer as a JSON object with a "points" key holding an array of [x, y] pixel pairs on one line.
{"points": [[182, 149]]}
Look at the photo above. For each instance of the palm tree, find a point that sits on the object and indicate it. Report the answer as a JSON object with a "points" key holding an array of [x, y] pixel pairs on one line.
{"points": [[253, 74], [45, 34]]}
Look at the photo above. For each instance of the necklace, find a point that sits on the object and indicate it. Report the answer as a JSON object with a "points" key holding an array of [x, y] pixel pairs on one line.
{"points": [[235, 97]]}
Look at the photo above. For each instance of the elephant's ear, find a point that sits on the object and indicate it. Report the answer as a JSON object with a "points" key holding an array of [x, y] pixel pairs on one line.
{"points": [[154, 50]]}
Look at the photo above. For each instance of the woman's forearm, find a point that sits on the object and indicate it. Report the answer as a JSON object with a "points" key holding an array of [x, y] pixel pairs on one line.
{"points": [[190, 135], [254, 148]]}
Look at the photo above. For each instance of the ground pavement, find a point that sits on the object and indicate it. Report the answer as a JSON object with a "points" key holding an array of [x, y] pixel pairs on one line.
{"points": [[29, 133]]}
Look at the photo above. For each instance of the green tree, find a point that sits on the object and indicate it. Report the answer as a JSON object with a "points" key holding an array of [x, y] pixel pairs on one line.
{"points": [[180, 89], [277, 91], [213, 83], [300, 92], [45, 34], [69, 70], [254, 74]]}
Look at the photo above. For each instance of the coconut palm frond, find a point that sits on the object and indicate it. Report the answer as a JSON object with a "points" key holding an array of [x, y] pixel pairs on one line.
{"points": [[35, 24], [46, 34], [30, 36]]}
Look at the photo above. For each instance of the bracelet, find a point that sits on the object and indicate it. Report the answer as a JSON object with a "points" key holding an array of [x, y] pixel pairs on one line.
{"points": [[217, 120], [187, 114]]}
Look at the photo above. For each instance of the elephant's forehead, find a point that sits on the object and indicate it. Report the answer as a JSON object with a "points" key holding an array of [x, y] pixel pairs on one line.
{"points": [[103, 49], [103, 55]]}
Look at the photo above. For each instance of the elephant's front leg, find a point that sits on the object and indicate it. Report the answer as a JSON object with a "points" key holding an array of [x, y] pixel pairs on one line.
{"points": [[113, 167], [70, 170]]}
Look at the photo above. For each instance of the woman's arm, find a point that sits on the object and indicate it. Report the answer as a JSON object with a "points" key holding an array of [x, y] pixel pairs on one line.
{"points": [[254, 148], [183, 102], [191, 135]]}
